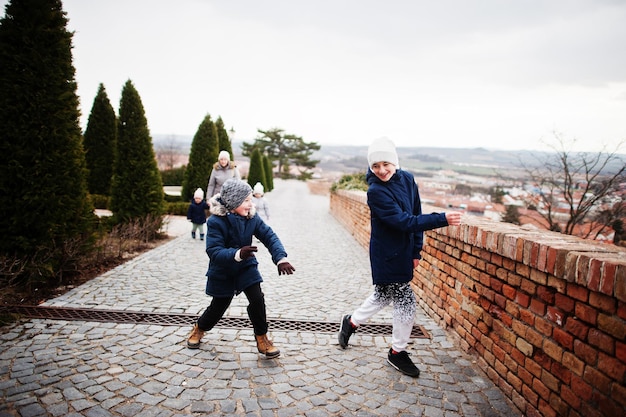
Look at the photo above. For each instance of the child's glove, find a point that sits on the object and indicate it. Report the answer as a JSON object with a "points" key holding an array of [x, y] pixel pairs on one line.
{"points": [[247, 252], [285, 268]]}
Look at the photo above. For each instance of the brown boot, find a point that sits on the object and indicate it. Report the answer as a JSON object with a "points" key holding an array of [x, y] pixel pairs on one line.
{"points": [[266, 346], [193, 341]]}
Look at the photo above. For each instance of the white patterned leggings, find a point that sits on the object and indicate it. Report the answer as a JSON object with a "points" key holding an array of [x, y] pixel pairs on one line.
{"points": [[404, 306]]}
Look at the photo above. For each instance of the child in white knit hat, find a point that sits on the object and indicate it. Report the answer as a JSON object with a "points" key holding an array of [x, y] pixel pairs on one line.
{"points": [[262, 207], [196, 213], [396, 239]]}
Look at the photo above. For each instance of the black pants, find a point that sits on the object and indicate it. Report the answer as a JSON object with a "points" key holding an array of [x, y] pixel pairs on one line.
{"points": [[256, 310]]}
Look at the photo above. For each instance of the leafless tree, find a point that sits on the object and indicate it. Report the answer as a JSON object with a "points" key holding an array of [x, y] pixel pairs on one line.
{"points": [[168, 153], [572, 186]]}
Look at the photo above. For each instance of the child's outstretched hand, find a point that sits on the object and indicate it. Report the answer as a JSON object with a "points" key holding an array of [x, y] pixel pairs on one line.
{"points": [[285, 268], [247, 252], [453, 218]]}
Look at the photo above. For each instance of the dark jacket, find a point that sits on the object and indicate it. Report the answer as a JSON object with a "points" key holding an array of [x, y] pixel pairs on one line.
{"points": [[196, 212], [397, 226], [228, 232]]}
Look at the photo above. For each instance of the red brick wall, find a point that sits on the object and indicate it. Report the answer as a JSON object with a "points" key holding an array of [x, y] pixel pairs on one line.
{"points": [[544, 312], [351, 210]]}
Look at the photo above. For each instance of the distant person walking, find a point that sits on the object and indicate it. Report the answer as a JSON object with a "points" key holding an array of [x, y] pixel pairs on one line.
{"points": [[262, 207], [223, 169], [196, 213], [233, 267], [396, 240]]}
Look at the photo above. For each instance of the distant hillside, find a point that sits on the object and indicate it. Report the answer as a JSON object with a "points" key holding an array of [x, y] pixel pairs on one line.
{"points": [[478, 161], [358, 154]]}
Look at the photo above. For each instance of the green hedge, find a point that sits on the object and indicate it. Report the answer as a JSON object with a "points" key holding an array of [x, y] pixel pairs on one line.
{"points": [[173, 204], [176, 208], [173, 199], [100, 201]]}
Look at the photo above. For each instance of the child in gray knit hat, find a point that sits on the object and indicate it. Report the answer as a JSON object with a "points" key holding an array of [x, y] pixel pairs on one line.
{"points": [[233, 267]]}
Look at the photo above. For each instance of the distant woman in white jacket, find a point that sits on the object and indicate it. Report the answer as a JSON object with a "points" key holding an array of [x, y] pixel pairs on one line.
{"points": [[223, 169]]}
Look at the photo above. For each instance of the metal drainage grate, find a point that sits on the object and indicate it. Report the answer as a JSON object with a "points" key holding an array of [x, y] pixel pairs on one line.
{"points": [[173, 319]]}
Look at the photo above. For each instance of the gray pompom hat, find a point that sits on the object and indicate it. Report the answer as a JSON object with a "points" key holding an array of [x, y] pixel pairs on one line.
{"points": [[234, 192]]}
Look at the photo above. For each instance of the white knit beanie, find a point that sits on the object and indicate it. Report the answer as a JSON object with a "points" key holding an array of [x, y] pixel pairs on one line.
{"points": [[224, 154], [199, 193], [258, 188], [382, 150]]}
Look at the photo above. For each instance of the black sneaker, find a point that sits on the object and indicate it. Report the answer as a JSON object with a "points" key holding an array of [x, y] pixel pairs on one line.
{"points": [[345, 331], [403, 363]]}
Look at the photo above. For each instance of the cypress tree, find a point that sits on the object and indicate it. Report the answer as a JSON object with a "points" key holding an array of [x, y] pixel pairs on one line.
{"points": [[100, 141], [213, 139], [256, 173], [269, 173], [224, 142], [136, 190], [43, 176], [511, 215], [203, 153]]}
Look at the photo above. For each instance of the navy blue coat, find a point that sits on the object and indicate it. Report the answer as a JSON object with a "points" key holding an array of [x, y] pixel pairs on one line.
{"points": [[196, 212], [228, 232], [397, 226]]}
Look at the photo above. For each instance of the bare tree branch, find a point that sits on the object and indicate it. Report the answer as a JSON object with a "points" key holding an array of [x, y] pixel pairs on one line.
{"points": [[569, 187]]}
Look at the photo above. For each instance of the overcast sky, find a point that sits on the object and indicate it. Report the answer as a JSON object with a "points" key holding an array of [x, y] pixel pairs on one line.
{"points": [[500, 74]]}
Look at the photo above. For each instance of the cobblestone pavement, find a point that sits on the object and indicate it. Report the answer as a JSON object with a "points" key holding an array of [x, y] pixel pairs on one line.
{"points": [[76, 368]]}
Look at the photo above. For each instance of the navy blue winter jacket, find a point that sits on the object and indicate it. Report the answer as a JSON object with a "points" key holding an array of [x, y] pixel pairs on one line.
{"points": [[228, 232], [196, 212], [397, 226]]}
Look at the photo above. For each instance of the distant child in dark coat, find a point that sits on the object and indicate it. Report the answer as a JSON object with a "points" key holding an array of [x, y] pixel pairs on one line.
{"points": [[196, 213], [233, 267], [397, 236]]}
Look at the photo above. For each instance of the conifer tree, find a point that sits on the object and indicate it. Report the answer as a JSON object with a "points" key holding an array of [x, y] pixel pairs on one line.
{"points": [[43, 177], [136, 190], [213, 146], [256, 172], [511, 215], [286, 149], [203, 153], [224, 142], [100, 141], [269, 173]]}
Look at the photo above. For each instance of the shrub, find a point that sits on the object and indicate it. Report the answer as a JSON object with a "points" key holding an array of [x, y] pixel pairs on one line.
{"points": [[173, 176], [100, 201], [176, 208], [173, 199], [27, 278], [350, 182]]}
